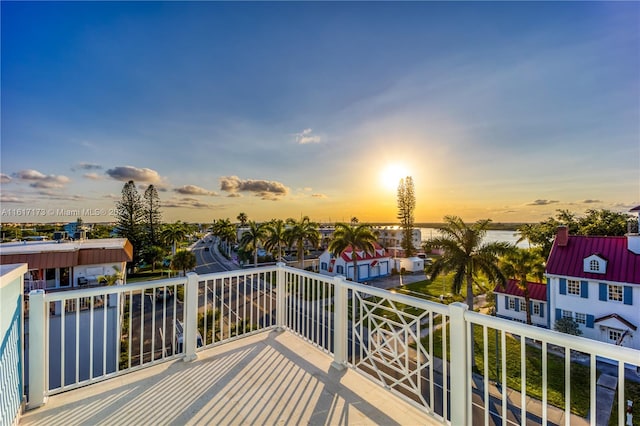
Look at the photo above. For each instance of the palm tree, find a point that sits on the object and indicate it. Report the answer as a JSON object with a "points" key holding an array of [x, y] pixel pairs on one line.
{"points": [[276, 237], [174, 232], [226, 232], [359, 238], [242, 218], [521, 263], [466, 255], [183, 260], [300, 232], [252, 238]]}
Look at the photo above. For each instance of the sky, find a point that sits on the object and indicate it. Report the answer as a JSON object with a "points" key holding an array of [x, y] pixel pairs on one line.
{"points": [[500, 110]]}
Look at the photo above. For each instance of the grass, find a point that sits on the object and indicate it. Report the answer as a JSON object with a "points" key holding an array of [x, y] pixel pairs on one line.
{"points": [[149, 275]]}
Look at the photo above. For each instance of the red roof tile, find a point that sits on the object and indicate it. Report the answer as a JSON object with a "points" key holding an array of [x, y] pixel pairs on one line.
{"points": [[537, 291], [379, 253], [623, 266]]}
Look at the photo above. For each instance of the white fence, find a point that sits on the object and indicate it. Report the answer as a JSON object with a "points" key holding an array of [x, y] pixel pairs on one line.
{"points": [[420, 350]]}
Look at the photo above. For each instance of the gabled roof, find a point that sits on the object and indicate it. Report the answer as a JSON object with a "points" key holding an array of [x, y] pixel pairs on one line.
{"points": [[362, 255], [623, 266], [537, 291], [619, 318]]}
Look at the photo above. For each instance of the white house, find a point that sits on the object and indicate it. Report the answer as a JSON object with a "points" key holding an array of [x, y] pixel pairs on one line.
{"points": [[67, 264], [596, 281], [510, 302], [370, 266], [391, 237]]}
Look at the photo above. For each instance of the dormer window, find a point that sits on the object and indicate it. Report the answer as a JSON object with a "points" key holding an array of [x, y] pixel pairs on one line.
{"points": [[595, 264]]}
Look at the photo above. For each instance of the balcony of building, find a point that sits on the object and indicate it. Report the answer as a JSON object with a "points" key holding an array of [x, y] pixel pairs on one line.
{"points": [[279, 345]]}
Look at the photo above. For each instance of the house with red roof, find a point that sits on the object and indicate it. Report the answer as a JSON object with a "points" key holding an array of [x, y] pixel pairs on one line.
{"points": [[510, 302], [370, 265], [596, 281]]}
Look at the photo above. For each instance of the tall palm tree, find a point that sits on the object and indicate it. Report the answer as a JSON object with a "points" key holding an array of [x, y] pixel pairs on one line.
{"points": [[252, 238], [173, 233], [242, 218], [520, 264], [276, 237], [226, 232], [300, 232], [183, 260], [466, 255], [359, 238]]}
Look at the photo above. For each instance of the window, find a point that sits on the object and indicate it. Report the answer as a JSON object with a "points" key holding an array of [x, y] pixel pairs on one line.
{"points": [[567, 314], [323, 266], [523, 306], [536, 309], [614, 335], [340, 269], [615, 293], [512, 304], [573, 287], [581, 318], [594, 265]]}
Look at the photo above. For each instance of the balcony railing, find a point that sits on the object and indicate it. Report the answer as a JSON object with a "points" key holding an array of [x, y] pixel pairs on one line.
{"points": [[459, 366]]}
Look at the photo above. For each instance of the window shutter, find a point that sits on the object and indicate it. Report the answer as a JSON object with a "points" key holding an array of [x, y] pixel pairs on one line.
{"points": [[558, 314], [563, 286], [603, 291], [506, 303], [584, 289], [590, 321], [542, 310], [517, 305], [530, 306], [627, 295]]}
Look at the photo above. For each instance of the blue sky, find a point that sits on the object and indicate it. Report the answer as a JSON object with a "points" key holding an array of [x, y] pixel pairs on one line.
{"points": [[506, 110]]}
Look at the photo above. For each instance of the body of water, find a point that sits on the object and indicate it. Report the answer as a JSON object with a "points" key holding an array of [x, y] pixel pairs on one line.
{"points": [[492, 236]]}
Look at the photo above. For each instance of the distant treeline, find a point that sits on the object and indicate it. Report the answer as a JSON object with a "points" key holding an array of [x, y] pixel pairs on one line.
{"points": [[494, 226]]}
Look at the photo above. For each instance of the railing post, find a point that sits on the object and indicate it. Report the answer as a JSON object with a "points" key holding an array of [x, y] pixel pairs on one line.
{"points": [[190, 317], [458, 361], [281, 294], [340, 322], [38, 353]]}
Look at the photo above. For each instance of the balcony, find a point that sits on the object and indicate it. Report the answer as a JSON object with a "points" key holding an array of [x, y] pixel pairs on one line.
{"points": [[277, 344]]}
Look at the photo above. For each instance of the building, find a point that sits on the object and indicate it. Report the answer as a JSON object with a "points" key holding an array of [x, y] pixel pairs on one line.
{"points": [[391, 237], [596, 282], [67, 264], [370, 266], [510, 303]]}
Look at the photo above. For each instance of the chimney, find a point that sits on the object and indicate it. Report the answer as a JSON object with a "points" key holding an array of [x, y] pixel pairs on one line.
{"points": [[562, 236]]}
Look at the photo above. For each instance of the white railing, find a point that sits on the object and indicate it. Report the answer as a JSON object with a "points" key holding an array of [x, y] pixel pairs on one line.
{"points": [[420, 350]]}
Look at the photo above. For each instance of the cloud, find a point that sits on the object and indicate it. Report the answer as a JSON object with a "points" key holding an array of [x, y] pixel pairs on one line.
{"points": [[62, 197], [127, 173], [86, 166], [234, 195], [40, 180], [266, 189], [193, 190], [93, 176], [319, 196], [191, 203], [4, 178], [10, 198], [307, 136], [591, 201], [543, 202]]}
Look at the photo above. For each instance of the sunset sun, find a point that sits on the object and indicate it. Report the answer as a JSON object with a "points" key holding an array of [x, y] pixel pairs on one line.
{"points": [[390, 175]]}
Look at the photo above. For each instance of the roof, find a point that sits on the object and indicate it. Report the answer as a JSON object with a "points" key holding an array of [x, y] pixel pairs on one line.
{"points": [[51, 254], [619, 318], [623, 265], [537, 291], [362, 255]]}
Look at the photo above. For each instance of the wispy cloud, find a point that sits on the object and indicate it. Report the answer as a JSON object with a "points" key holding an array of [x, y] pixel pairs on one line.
{"points": [[93, 176], [37, 179], [10, 198], [4, 178], [192, 203], [319, 196], [306, 137], [543, 202], [86, 166], [193, 190], [127, 173], [266, 189], [591, 201]]}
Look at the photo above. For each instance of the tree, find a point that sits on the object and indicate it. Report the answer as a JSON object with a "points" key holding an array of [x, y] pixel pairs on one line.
{"points": [[183, 260], [359, 238], [354, 220], [152, 215], [130, 217], [172, 233], [276, 238], [567, 325], [406, 206], [242, 218], [252, 238], [466, 255], [520, 264], [153, 254], [226, 232], [604, 223], [300, 232]]}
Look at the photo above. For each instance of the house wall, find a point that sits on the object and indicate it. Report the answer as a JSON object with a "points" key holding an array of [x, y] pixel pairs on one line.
{"points": [[503, 310], [365, 270], [592, 302], [92, 272]]}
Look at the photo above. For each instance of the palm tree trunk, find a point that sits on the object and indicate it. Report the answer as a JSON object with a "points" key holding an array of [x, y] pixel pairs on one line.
{"points": [[255, 258], [355, 266], [527, 302], [301, 254]]}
